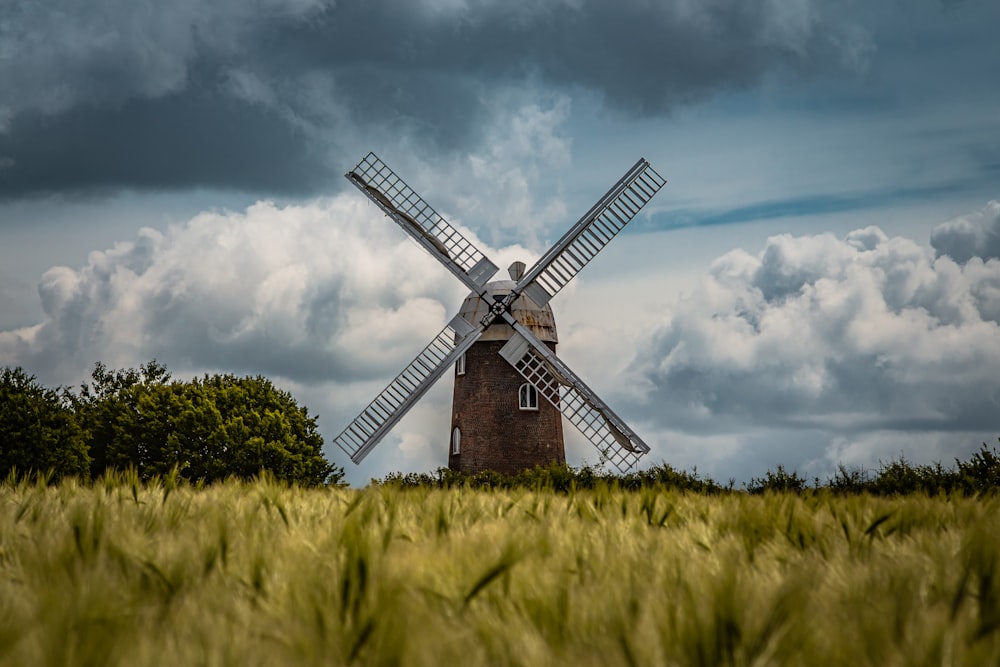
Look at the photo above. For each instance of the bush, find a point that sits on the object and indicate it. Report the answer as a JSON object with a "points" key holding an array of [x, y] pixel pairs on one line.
{"points": [[981, 473], [665, 476], [39, 432], [210, 428], [978, 475], [850, 480], [555, 477], [901, 477], [780, 480]]}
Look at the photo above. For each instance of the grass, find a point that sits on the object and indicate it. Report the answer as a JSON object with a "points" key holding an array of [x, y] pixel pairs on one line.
{"points": [[259, 573]]}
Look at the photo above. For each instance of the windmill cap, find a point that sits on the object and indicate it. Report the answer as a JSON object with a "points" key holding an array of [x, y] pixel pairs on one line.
{"points": [[538, 319]]}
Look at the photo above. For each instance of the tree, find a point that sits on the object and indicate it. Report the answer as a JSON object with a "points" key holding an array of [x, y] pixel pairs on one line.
{"points": [[210, 428], [107, 406], [38, 430]]}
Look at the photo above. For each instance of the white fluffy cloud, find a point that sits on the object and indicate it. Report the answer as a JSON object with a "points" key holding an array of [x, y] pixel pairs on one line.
{"points": [[313, 293], [856, 332], [976, 235], [837, 336]]}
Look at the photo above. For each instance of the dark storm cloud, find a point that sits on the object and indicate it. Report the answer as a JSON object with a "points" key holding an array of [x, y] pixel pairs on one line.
{"points": [[190, 139], [258, 95], [642, 57]]}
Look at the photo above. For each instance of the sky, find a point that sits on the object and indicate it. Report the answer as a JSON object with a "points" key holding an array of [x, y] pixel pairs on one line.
{"points": [[817, 285]]}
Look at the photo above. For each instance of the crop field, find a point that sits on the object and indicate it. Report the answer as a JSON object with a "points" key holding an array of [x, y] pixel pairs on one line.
{"points": [[260, 573]]}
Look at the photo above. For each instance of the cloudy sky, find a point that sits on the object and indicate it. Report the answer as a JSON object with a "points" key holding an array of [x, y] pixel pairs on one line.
{"points": [[818, 284]]}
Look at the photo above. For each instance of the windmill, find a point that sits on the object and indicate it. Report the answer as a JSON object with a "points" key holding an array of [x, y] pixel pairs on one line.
{"points": [[495, 308]]}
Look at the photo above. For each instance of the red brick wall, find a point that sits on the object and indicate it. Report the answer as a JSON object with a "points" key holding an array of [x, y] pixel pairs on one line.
{"points": [[496, 433]]}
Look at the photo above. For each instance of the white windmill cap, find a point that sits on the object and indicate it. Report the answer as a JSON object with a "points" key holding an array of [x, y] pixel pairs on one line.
{"points": [[538, 319]]}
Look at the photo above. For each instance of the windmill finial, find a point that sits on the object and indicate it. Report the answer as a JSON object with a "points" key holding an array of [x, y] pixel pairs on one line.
{"points": [[516, 270]]}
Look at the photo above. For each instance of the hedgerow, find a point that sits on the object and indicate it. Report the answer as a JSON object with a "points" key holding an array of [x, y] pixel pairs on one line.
{"points": [[980, 474]]}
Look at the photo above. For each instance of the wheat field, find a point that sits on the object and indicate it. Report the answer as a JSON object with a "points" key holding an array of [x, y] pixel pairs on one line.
{"points": [[260, 573]]}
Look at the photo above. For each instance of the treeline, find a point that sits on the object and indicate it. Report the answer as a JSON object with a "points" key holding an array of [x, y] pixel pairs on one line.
{"points": [[202, 430], [222, 426], [980, 474]]}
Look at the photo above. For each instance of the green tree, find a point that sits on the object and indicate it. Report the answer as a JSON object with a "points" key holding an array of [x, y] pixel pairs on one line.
{"points": [[108, 412], [38, 430], [210, 428]]}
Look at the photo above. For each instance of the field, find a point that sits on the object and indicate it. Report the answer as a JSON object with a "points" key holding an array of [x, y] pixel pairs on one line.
{"points": [[119, 573]]}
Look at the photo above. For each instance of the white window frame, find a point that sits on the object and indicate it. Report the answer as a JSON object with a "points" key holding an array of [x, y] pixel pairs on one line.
{"points": [[527, 397], [456, 441], [460, 365]]}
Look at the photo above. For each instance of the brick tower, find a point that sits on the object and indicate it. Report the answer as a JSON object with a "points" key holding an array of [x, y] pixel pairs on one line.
{"points": [[498, 421]]}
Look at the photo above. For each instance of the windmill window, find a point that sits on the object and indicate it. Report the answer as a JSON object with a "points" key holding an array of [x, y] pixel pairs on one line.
{"points": [[460, 365], [527, 397], [456, 441]]}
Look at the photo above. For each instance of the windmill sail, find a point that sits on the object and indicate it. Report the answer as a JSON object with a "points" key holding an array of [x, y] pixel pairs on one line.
{"points": [[374, 422], [615, 441], [531, 358], [423, 223], [591, 233]]}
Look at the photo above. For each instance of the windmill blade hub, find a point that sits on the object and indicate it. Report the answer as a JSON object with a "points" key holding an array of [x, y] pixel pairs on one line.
{"points": [[486, 309]]}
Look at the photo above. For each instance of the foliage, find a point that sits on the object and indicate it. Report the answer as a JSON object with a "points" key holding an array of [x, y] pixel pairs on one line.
{"points": [[779, 480], [981, 472], [902, 477], [556, 477], [979, 475], [38, 430], [106, 404], [121, 572], [664, 476], [209, 428], [850, 480]]}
